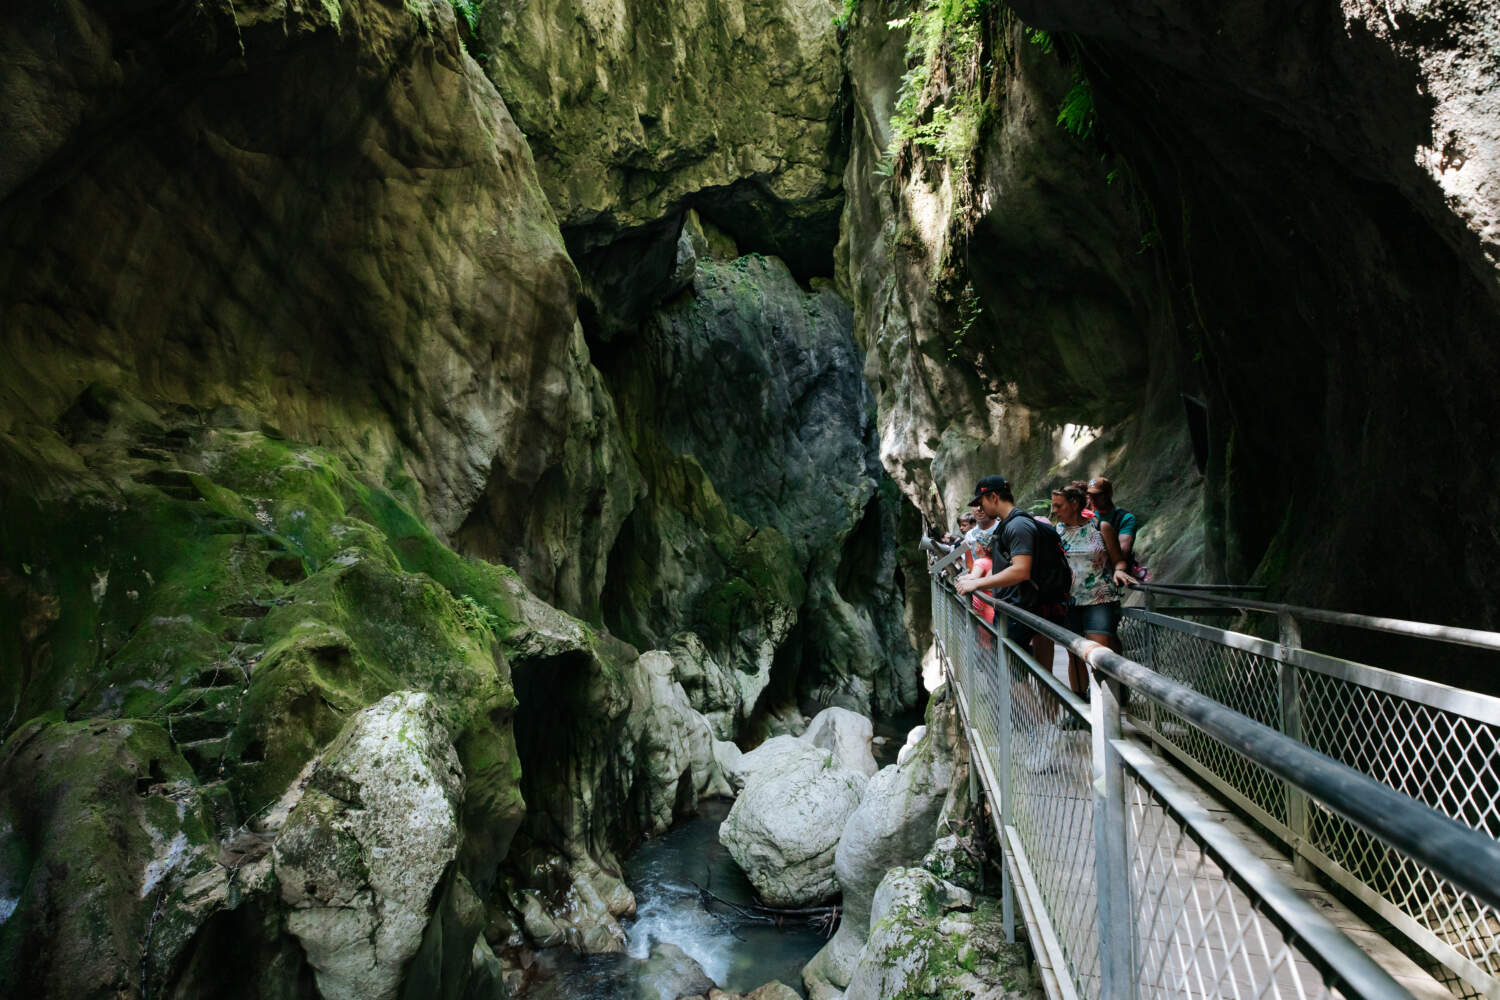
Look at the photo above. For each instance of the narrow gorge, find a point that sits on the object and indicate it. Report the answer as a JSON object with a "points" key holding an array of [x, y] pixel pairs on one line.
{"points": [[448, 445]]}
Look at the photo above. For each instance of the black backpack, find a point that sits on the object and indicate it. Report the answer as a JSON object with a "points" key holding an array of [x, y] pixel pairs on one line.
{"points": [[1051, 578]]}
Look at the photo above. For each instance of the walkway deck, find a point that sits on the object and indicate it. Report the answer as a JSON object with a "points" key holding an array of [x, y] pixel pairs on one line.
{"points": [[1229, 963], [1247, 970]]}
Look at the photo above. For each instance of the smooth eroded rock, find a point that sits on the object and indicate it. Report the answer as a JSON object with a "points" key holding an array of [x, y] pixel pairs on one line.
{"points": [[784, 828], [894, 826], [847, 735], [361, 856]]}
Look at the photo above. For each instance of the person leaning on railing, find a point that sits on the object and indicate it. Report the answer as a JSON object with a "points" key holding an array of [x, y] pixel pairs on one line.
{"points": [[1035, 573], [1101, 497], [1094, 557]]}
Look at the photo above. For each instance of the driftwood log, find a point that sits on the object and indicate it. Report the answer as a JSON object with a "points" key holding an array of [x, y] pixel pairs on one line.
{"points": [[824, 918]]}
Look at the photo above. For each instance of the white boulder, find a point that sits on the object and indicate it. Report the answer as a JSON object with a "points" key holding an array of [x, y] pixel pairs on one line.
{"points": [[848, 735], [894, 826], [361, 855], [768, 755], [784, 828]]}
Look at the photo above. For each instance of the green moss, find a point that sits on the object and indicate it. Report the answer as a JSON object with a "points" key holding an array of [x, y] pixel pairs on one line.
{"points": [[249, 605]]}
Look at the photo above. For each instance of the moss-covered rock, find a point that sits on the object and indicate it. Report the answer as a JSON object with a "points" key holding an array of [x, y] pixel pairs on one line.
{"points": [[753, 430], [102, 823], [360, 857], [635, 111], [932, 940], [241, 596]]}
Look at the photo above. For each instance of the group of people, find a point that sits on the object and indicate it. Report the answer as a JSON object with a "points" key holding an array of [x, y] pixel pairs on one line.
{"points": [[1070, 570]]}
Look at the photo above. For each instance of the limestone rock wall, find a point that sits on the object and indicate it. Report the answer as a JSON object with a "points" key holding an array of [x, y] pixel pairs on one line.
{"points": [[1012, 324], [637, 110], [1327, 239], [1254, 263], [745, 404], [347, 268]]}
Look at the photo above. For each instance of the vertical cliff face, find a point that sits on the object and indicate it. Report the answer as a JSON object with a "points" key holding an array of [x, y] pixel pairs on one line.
{"points": [[1012, 317], [274, 362], [637, 111], [1328, 220], [347, 267], [1276, 224]]}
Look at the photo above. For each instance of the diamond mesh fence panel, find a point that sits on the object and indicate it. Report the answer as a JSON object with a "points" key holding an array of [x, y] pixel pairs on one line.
{"points": [[1438, 757], [1246, 682], [1199, 934], [1040, 746], [1447, 760], [1051, 776]]}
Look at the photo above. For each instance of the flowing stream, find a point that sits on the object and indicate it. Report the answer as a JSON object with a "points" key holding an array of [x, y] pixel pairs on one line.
{"points": [[673, 930], [674, 936]]}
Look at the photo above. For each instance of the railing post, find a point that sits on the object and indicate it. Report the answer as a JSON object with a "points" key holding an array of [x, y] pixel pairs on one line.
{"points": [[1003, 732], [1150, 634], [1290, 638], [1117, 922]]}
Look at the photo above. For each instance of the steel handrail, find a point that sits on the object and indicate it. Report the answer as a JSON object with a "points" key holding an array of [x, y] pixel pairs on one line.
{"points": [[1478, 638], [1444, 845], [1338, 958]]}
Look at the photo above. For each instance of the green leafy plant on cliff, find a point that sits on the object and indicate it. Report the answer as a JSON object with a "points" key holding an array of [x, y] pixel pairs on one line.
{"points": [[469, 10], [969, 311], [846, 14], [940, 105], [1076, 113], [1076, 110], [474, 616]]}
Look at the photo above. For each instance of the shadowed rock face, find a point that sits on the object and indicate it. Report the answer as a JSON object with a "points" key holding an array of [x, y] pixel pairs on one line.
{"points": [[636, 111], [750, 419], [1324, 183], [1292, 223], [183, 219]]}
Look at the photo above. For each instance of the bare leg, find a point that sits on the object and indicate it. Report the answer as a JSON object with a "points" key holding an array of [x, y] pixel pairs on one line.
{"points": [[1078, 677], [1041, 648]]}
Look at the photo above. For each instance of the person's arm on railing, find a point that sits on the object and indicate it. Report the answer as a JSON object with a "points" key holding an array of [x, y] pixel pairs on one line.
{"points": [[1112, 545], [1017, 572]]}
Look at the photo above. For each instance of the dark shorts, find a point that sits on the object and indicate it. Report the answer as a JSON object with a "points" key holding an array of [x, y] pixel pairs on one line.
{"points": [[1017, 632], [1096, 619]]}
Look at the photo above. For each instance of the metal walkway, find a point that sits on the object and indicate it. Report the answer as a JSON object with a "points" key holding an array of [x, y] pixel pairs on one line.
{"points": [[1136, 880]]}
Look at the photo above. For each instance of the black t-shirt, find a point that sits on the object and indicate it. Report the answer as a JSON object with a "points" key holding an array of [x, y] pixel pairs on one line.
{"points": [[1018, 535]]}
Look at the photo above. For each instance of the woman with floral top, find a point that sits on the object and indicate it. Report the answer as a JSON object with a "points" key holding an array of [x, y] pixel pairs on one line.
{"points": [[1093, 553]]}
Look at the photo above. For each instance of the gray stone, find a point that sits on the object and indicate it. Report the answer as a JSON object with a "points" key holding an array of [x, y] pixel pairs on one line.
{"points": [[768, 756], [784, 828], [847, 735], [930, 938], [894, 826], [361, 855]]}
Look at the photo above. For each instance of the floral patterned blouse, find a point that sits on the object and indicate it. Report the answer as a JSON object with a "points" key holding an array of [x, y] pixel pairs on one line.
{"points": [[1088, 558]]}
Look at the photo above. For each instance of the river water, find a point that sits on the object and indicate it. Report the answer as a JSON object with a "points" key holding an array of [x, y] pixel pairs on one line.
{"points": [[671, 921], [674, 934]]}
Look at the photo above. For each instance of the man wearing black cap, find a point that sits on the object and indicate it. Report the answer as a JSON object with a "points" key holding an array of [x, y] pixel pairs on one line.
{"points": [[1034, 573]]}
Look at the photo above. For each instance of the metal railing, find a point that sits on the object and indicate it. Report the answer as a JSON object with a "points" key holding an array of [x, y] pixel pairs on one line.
{"points": [[1131, 889], [1437, 744]]}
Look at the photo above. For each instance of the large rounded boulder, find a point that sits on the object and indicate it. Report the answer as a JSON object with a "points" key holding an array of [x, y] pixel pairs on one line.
{"points": [[848, 735], [784, 829], [894, 826]]}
